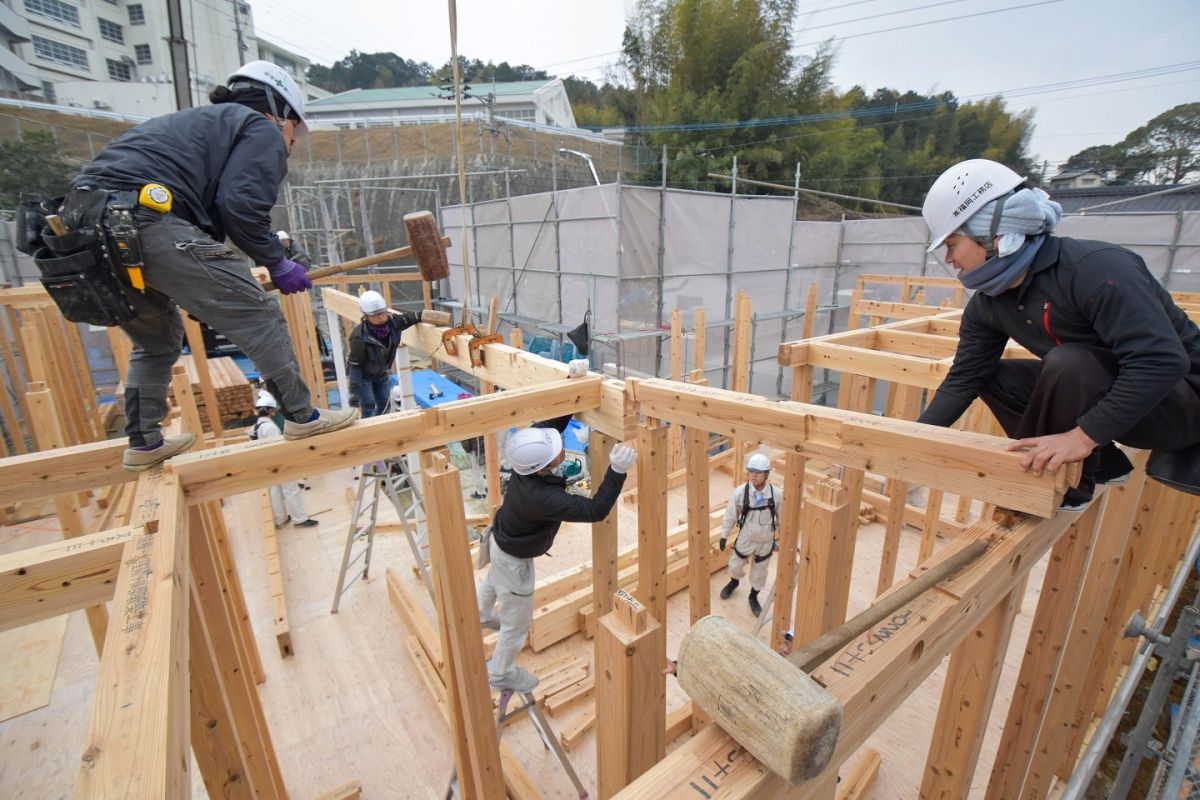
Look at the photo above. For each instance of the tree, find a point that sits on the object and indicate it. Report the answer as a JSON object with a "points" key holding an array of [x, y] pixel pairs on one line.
{"points": [[370, 71], [1106, 159], [32, 165], [1167, 148]]}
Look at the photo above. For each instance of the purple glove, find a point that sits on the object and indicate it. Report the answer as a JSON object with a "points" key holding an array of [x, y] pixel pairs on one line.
{"points": [[289, 276]]}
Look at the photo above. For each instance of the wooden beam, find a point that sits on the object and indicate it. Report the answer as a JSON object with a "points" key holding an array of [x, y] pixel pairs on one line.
{"points": [[42, 582], [195, 339], [957, 461], [136, 745], [66, 469], [912, 370], [233, 469], [479, 770], [509, 367], [630, 695], [604, 533], [279, 615], [652, 518], [828, 542], [857, 784], [699, 524]]}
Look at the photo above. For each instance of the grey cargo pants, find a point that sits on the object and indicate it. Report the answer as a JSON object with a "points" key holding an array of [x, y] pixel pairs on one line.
{"points": [[185, 266]]}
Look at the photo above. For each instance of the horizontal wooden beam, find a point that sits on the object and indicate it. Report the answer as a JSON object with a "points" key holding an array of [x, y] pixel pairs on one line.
{"points": [[42, 582], [905, 369], [511, 368], [793, 354], [223, 471], [891, 310], [62, 470], [341, 303], [912, 280], [971, 464]]}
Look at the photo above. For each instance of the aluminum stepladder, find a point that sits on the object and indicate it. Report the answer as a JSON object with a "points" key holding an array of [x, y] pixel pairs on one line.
{"points": [[390, 478], [531, 705]]}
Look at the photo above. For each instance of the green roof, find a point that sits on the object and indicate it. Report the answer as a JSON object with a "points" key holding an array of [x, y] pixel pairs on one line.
{"points": [[418, 93]]}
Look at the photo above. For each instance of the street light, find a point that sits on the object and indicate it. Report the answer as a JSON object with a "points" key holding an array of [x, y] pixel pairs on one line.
{"points": [[586, 158]]}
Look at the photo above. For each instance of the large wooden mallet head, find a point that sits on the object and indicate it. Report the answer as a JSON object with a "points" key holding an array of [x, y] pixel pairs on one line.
{"points": [[426, 242], [784, 718]]}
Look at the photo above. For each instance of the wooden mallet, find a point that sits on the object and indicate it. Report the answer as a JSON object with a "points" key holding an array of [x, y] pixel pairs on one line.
{"points": [[767, 702]]}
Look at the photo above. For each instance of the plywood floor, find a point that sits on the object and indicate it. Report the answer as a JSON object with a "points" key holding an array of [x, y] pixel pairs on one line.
{"points": [[349, 704]]}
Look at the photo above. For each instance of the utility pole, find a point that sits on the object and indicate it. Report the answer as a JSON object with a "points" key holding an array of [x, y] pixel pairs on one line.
{"points": [[177, 45], [237, 26]]}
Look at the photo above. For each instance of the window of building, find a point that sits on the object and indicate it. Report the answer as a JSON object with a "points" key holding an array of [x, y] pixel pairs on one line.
{"points": [[142, 51], [119, 70], [55, 10], [526, 114], [59, 53], [111, 31], [136, 15], [286, 63], [48, 91]]}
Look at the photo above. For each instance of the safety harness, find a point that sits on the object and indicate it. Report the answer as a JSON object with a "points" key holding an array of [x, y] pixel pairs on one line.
{"points": [[744, 511]]}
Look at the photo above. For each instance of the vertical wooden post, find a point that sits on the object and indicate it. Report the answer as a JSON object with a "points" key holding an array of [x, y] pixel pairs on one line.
{"points": [[699, 525], [652, 518], [741, 364], [967, 696], [933, 515], [477, 755], [853, 320], [15, 381], [1063, 726], [137, 743], [630, 696], [810, 312], [905, 402], [195, 338], [790, 521], [47, 435], [1043, 654], [604, 532], [181, 387], [823, 595], [58, 377], [676, 438], [701, 340]]}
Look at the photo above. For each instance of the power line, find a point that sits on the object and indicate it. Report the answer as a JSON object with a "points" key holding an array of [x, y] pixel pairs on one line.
{"points": [[931, 22], [884, 14]]}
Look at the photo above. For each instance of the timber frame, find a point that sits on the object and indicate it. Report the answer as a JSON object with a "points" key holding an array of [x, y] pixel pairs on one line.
{"points": [[179, 663]]}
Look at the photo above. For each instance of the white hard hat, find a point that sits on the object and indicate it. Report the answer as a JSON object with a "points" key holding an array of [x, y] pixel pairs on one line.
{"points": [[265, 400], [283, 236], [371, 302], [960, 192], [758, 462], [398, 395], [531, 449], [276, 78]]}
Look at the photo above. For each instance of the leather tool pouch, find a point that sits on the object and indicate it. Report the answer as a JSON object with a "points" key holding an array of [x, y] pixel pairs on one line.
{"points": [[77, 268]]}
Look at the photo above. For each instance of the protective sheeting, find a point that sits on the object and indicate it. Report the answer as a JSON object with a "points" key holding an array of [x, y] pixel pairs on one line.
{"points": [[633, 254]]}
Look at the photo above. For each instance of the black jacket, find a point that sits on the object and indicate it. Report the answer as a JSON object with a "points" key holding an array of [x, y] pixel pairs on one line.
{"points": [[535, 506], [369, 357], [222, 163], [1087, 292]]}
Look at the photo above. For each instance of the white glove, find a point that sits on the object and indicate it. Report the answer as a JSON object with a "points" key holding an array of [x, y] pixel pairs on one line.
{"points": [[622, 458], [581, 433], [577, 368]]}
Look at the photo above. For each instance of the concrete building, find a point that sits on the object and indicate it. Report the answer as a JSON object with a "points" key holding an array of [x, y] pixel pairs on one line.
{"points": [[113, 54], [1076, 179], [543, 102]]}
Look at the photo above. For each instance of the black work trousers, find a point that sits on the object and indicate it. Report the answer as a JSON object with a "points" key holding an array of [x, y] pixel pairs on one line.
{"points": [[1032, 397]]}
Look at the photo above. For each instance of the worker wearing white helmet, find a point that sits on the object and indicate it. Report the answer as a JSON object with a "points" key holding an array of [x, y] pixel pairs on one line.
{"points": [[178, 186], [535, 504], [1117, 360], [293, 250], [373, 345], [287, 503], [753, 509]]}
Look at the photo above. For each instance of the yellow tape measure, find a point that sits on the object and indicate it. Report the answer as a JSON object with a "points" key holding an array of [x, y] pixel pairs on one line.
{"points": [[155, 196]]}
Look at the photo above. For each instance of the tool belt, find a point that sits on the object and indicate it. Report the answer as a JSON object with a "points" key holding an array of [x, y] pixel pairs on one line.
{"points": [[93, 270]]}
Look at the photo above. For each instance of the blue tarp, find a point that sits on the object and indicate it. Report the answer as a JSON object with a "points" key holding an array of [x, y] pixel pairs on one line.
{"points": [[431, 389]]}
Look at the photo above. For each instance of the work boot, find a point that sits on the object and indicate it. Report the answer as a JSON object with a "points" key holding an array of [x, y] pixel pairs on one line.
{"points": [[324, 421], [136, 460], [308, 523], [755, 606], [519, 680], [1114, 467], [279, 525], [729, 587]]}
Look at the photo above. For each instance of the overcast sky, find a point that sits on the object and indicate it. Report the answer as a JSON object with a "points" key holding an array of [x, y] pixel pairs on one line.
{"points": [[1101, 47]]}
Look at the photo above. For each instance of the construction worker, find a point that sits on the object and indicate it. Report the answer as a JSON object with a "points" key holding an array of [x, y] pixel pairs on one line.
{"points": [[535, 504], [287, 503], [187, 180], [292, 250], [754, 509], [1117, 359], [373, 344]]}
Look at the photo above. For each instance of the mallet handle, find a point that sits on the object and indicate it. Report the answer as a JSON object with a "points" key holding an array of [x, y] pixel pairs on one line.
{"points": [[820, 649], [356, 263]]}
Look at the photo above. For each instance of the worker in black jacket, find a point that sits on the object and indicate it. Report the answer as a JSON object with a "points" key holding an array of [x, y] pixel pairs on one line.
{"points": [[192, 178], [1117, 359], [535, 504], [373, 345]]}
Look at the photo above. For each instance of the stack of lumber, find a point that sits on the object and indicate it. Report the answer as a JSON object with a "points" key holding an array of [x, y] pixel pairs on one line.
{"points": [[235, 394]]}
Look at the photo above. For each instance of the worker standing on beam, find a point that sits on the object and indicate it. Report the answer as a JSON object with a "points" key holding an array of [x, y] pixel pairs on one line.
{"points": [[287, 502], [1117, 359], [535, 505], [177, 185], [754, 509], [373, 345]]}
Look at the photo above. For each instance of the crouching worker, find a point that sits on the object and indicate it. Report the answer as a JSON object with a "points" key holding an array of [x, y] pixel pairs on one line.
{"points": [[535, 505], [286, 500], [754, 509]]}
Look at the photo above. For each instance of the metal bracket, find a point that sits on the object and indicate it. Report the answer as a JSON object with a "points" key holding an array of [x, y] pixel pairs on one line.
{"points": [[449, 334], [477, 343]]}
